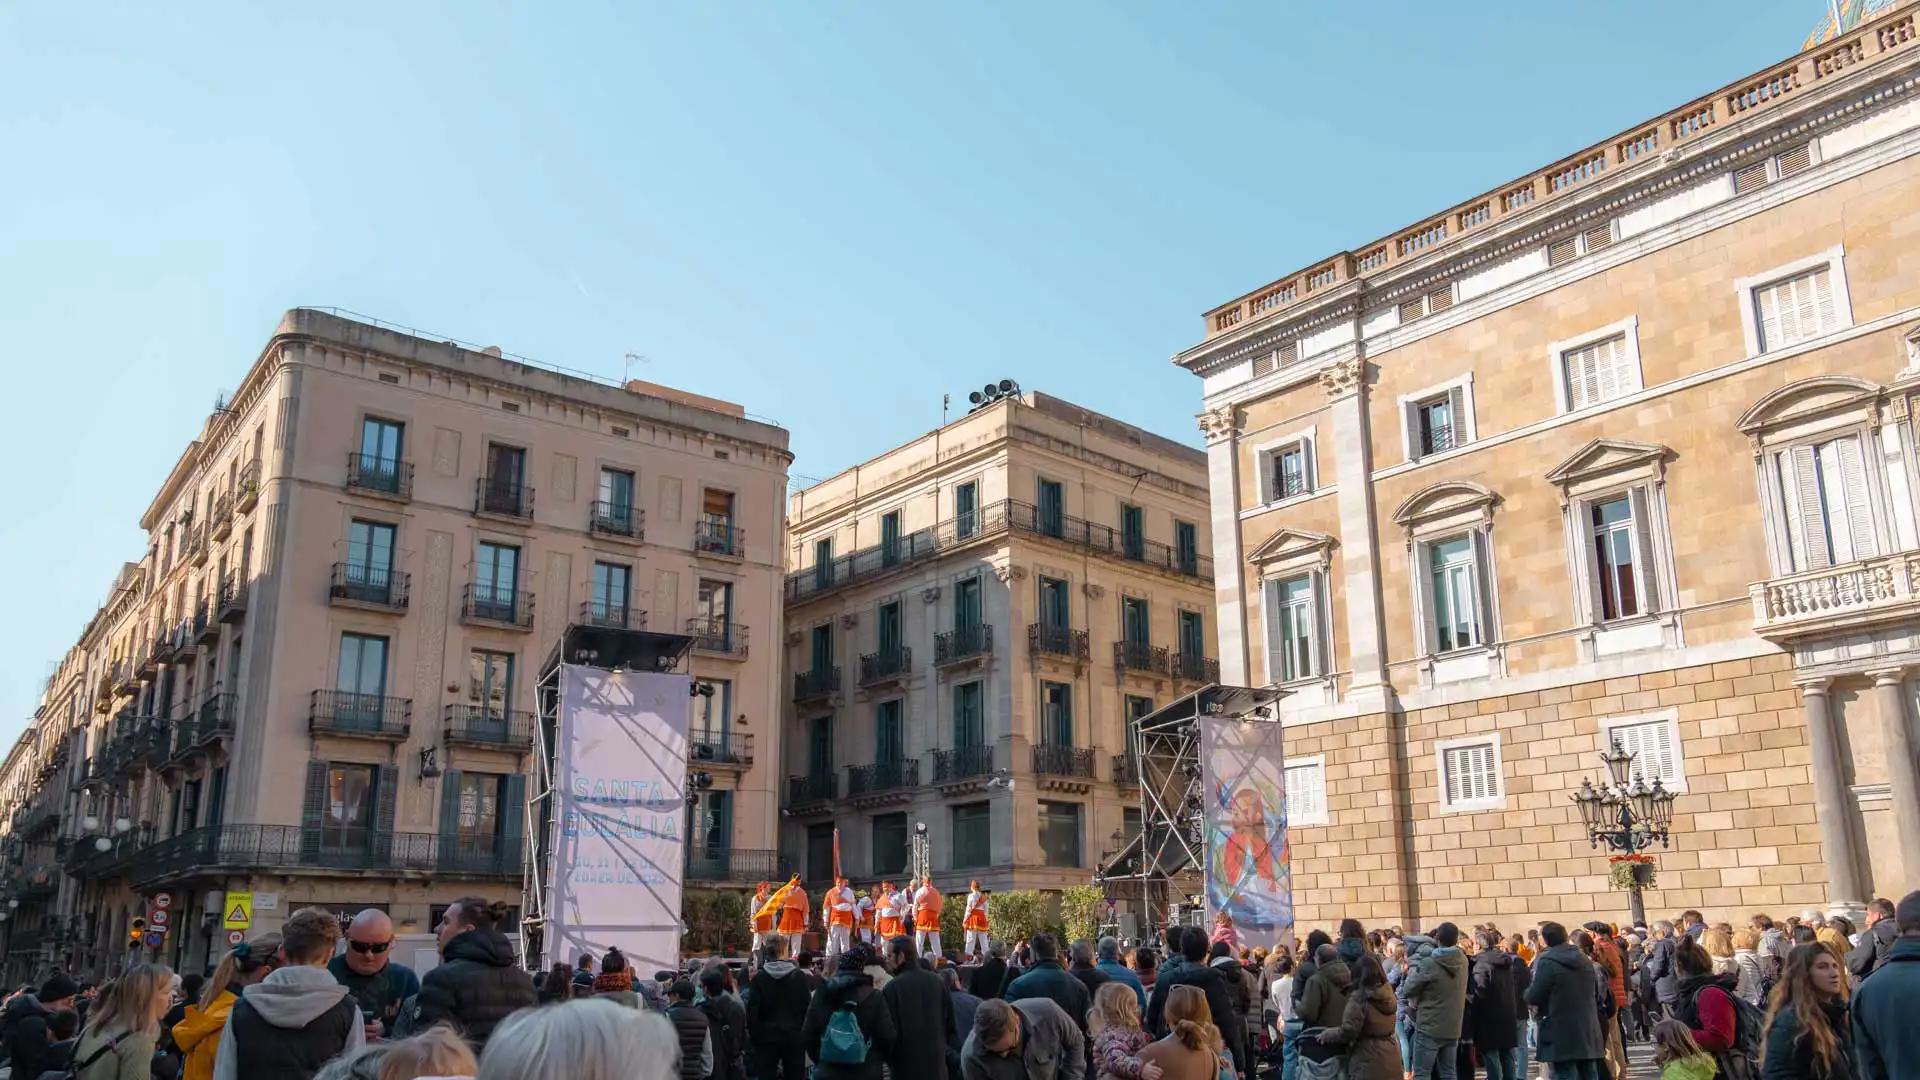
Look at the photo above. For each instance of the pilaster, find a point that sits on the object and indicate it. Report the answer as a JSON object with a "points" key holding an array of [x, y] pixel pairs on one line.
{"points": [[1220, 425], [1345, 381]]}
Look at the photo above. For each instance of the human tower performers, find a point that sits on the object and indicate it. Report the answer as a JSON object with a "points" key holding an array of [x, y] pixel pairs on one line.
{"points": [[793, 910], [837, 912], [761, 916], [974, 922], [863, 917], [887, 912], [926, 918]]}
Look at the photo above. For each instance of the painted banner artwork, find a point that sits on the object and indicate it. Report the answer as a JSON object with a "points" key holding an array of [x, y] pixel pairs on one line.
{"points": [[1249, 868], [620, 770]]}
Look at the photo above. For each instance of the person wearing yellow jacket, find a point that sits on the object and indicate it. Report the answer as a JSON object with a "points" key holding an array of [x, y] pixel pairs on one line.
{"points": [[198, 1035]]}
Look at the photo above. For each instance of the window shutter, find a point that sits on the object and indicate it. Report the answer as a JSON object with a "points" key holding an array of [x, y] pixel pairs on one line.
{"points": [[1269, 468], [449, 817], [1645, 578], [387, 799], [1599, 238], [513, 821], [1807, 303], [1412, 421], [1820, 283], [1811, 525], [1308, 477], [1322, 637], [1766, 302], [1483, 628], [1423, 575], [1262, 364], [313, 810], [1589, 561], [1457, 412], [1450, 764], [1853, 475], [1412, 309], [1276, 644]]}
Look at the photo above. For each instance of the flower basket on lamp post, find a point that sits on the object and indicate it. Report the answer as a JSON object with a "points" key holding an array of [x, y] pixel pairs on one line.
{"points": [[1631, 873]]}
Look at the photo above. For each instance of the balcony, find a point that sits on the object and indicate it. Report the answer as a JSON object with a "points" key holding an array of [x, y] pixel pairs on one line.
{"points": [[487, 605], [1073, 762], [1107, 540], [206, 629], [381, 477], [719, 537], [815, 788], [503, 496], [720, 864], [193, 546], [900, 774], [1126, 770], [230, 606], [963, 644], [816, 685], [1061, 642], [610, 615], [374, 588], [962, 763], [886, 666], [203, 728], [1847, 597], [126, 676], [360, 716], [718, 637], [215, 851], [1196, 668], [148, 663], [246, 490], [220, 524], [720, 749], [1135, 657], [619, 520], [177, 642], [488, 727]]}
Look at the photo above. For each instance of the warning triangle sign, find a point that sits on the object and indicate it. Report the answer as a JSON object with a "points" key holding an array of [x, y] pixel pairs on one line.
{"points": [[238, 914]]}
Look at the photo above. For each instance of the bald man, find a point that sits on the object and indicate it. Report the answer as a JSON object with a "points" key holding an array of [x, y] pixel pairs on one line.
{"points": [[377, 981]]}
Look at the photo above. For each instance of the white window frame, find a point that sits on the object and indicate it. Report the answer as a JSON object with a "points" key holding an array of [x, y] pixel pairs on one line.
{"points": [[1868, 447], [1496, 801], [1628, 329], [1480, 577], [1669, 717], [1317, 603], [1267, 457], [1316, 763], [1287, 554], [1834, 259], [1409, 438]]}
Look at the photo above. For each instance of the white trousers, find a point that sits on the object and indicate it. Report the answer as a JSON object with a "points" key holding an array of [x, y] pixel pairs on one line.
{"points": [[759, 939], [838, 939], [927, 941], [977, 944]]}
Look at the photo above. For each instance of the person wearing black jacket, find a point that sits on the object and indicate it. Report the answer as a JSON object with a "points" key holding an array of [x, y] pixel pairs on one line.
{"points": [[922, 1007], [727, 1019], [26, 1022], [1049, 980], [1661, 967], [851, 985], [777, 999], [1492, 991], [479, 981], [1875, 941], [1193, 971], [1566, 992], [990, 978]]}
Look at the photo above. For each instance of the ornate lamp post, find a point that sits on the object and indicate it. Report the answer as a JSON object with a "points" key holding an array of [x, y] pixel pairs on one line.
{"points": [[1628, 816]]}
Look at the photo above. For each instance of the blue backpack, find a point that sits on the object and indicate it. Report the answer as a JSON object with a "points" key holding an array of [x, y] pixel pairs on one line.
{"points": [[843, 1043]]}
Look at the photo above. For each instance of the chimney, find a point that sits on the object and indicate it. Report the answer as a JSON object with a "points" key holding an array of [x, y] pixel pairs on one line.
{"points": [[491, 350]]}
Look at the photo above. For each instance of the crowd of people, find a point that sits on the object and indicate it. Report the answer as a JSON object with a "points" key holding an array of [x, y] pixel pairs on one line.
{"points": [[1809, 998]]}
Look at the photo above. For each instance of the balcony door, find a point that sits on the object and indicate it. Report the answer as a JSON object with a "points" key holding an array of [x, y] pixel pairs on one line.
{"points": [[616, 496], [710, 834], [890, 538], [889, 631], [712, 719], [370, 559], [361, 680], [1133, 532], [506, 469], [1051, 510], [346, 828], [966, 509], [1053, 604], [380, 446], [822, 650], [478, 813], [490, 692], [820, 747], [1057, 717], [888, 746], [969, 716], [1193, 636], [496, 580], [612, 583], [1134, 622]]}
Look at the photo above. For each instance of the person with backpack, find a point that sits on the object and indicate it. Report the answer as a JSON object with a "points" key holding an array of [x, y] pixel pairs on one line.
{"points": [[691, 1027], [777, 1000], [849, 1029], [1885, 1037], [118, 1043], [1723, 1025], [1808, 1033]]}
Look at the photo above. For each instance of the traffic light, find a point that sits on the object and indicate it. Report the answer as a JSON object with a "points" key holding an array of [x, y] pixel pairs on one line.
{"points": [[135, 932]]}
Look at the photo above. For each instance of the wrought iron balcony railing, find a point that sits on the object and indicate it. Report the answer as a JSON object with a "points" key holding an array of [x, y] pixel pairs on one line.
{"points": [[611, 615], [720, 637], [246, 487], [816, 683], [488, 726], [370, 716], [719, 536], [962, 643], [230, 606], [962, 763], [616, 519], [1062, 641], [504, 496], [722, 863], [730, 746], [371, 586], [1141, 657], [497, 606], [208, 850], [883, 776], [812, 788], [887, 665], [1194, 667], [1126, 770], [220, 524], [1067, 761], [375, 475]]}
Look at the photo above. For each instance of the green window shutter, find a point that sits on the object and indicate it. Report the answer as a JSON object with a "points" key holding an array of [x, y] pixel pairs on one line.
{"points": [[313, 809], [513, 821], [386, 797], [450, 818]]}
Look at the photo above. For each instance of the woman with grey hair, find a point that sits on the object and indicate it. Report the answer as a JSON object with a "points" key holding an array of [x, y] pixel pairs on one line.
{"points": [[582, 1040]]}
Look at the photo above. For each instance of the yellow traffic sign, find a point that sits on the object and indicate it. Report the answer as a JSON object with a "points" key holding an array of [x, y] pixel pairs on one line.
{"points": [[239, 907]]}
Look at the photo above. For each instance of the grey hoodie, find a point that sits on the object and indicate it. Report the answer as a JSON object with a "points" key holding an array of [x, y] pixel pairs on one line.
{"points": [[291, 997]]}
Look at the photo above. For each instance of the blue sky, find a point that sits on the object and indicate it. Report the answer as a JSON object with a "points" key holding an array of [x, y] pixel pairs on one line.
{"points": [[831, 213]]}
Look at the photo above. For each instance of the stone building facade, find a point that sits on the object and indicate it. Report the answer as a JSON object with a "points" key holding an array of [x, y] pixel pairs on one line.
{"points": [[1622, 451], [971, 619], [317, 686]]}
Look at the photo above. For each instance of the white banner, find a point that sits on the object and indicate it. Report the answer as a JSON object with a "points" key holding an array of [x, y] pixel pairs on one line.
{"points": [[620, 773]]}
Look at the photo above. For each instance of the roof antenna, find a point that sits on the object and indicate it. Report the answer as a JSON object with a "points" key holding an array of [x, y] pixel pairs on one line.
{"points": [[626, 370]]}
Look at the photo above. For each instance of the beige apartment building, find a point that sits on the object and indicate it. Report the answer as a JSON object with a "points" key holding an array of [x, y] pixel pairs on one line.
{"points": [[972, 618], [1620, 451], [317, 686]]}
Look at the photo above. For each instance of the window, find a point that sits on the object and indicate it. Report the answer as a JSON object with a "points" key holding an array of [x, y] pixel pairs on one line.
{"points": [[478, 809], [712, 831], [1828, 505], [1294, 640], [1437, 419], [1598, 369], [713, 614], [1135, 626], [888, 746], [496, 580], [1455, 582], [1133, 532], [362, 671], [348, 818], [820, 852], [972, 835], [369, 569], [1053, 604], [506, 472], [822, 649], [612, 583], [715, 531], [823, 562], [1056, 714], [1306, 780], [712, 714], [1050, 514], [378, 466], [490, 683], [969, 719], [1796, 302], [966, 509], [1134, 707], [1620, 554], [1654, 742], [890, 538], [614, 510], [820, 746], [966, 603], [889, 843], [888, 630], [1289, 472], [1193, 634], [1435, 424], [1469, 774], [1060, 833], [1186, 547]]}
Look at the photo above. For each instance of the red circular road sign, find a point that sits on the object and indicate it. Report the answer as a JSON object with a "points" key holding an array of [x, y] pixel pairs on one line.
{"points": [[159, 917], [235, 937], [153, 939], [163, 901]]}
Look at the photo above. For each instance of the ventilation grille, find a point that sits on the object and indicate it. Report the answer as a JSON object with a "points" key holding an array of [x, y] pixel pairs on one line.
{"points": [[1751, 178], [1599, 238], [1563, 250], [386, 378], [1794, 160], [1439, 300], [1412, 309], [510, 406]]}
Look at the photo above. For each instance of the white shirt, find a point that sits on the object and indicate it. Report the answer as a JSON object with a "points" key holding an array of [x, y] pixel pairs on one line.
{"points": [[974, 902], [1283, 997]]}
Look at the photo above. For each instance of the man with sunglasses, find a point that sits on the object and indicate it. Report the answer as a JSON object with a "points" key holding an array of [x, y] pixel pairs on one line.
{"points": [[378, 982]]}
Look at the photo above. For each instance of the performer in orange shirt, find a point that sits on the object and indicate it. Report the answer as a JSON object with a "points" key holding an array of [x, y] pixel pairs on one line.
{"points": [[837, 913], [863, 917], [888, 910], [793, 914], [761, 925], [974, 922], [926, 918]]}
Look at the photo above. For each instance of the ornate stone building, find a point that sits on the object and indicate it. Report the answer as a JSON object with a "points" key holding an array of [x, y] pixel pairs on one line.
{"points": [[1621, 451]]}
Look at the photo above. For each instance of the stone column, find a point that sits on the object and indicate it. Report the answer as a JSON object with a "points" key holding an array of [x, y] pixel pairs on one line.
{"points": [[1890, 695], [1229, 570], [1345, 382], [1833, 802]]}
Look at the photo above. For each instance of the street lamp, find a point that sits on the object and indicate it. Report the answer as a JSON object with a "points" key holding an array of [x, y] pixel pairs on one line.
{"points": [[1627, 815]]}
